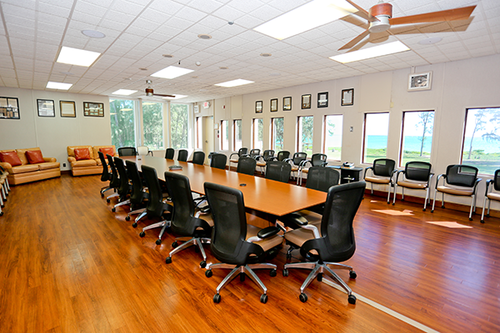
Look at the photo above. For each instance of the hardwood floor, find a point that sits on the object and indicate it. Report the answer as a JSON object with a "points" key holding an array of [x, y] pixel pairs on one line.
{"points": [[68, 264]]}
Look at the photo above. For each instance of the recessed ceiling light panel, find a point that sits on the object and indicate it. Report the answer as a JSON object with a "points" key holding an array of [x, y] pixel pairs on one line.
{"points": [[172, 72], [234, 83], [71, 56], [58, 85], [124, 92], [377, 51]]}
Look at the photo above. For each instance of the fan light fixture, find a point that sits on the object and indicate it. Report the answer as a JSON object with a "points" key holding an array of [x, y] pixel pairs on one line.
{"points": [[377, 51]]}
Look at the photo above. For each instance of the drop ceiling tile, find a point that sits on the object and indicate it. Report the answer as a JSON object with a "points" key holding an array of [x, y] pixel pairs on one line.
{"points": [[207, 6]]}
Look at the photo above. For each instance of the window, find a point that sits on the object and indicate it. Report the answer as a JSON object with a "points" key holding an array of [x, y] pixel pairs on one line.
{"points": [[178, 125], [277, 131], [237, 141], [199, 133], [416, 137], [122, 119], [332, 144], [376, 132], [305, 134], [258, 134], [152, 119], [481, 143], [224, 135]]}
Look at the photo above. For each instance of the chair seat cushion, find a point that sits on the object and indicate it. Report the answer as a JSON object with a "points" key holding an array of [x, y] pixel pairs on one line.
{"points": [[49, 165], [494, 196], [300, 236], [378, 180], [207, 218], [232, 160], [25, 168], [455, 190], [261, 164], [267, 243], [295, 168], [413, 184], [84, 163]]}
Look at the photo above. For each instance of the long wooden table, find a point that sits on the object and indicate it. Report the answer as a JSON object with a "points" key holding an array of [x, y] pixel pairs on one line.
{"points": [[263, 197]]}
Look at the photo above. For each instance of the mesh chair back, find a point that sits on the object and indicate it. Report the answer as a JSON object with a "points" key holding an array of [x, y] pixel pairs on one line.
{"points": [[155, 203], [246, 165], [127, 151], [282, 155], [496, 181], [115, 180], [298, 158], [319, 160], [182, 156], [105, 176], [279, 171], [337, 243], [230, 227], [254, 153], [218, 161], [137, 194], [124, 187], [169, 153], [199, 157], [461, 175], [143, 150], [321, 178], [268, 154], [242, 151], [383, 167], [419, 171]]}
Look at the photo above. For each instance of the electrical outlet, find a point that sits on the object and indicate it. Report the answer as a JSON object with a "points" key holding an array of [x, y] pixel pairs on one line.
{"points": [[64, 165], [351, 129]]}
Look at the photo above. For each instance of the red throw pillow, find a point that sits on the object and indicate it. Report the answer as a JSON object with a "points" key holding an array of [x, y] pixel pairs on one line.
{"points": [[10, 157], [34, 156], [107, 150], [82, 154]]}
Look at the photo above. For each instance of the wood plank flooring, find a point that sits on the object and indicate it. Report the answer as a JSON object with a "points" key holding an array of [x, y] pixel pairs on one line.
{"points": [[68, 264]]}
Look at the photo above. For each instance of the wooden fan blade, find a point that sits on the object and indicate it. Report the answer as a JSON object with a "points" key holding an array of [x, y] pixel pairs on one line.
{"points": [[356, 40], [171, 96], [361, 11], [444, 15]]}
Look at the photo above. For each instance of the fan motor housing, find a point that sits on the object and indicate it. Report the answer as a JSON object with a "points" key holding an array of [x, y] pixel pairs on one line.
{"points": [[149, 91], [383, 12]]}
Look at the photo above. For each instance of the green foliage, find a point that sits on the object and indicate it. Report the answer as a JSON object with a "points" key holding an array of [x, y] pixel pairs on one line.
{"points": [[122, 122], [152, 119], [179, 125], [307, 134], [278, 135]]}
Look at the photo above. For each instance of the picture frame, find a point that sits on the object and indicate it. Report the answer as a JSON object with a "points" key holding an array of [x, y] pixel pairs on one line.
{"points": [[46, 108], [347, 97], [306, 101], [67, 109], [323, 100], [421, 81], [274, 105], [9, 108], [287, 103], [92, 109], [258, 107]]}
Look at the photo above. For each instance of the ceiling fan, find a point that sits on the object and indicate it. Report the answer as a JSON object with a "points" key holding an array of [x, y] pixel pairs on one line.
{"points": [[380, 18], [150, 92]]}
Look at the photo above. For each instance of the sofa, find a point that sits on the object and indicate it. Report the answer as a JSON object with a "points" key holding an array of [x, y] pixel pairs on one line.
{"points": [[28, 165], [84, 160]]}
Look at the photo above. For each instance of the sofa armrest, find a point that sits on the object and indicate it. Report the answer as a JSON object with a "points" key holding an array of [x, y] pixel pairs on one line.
{"points": [[50, 159], [7, 166]]}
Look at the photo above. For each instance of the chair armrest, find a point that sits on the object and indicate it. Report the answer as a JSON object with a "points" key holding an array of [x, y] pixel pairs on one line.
{"points": [[230, 156], [313, 229], [7, 166], [475, 184], [50, 159], [268, 232], [488, 182], [397, 175], [71, 159], [439, 177], [366, 169]]}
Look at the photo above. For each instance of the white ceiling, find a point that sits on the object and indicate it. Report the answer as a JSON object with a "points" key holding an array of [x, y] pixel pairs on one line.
{"points": [[139, 32]]}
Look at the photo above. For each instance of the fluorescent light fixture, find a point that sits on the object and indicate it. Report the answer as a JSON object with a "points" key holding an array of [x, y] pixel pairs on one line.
{"points": [[377, 51], [176, 97], [234, 83], [306, 17], [58, 85], [71, 56], [124, 92], [172, 72]]}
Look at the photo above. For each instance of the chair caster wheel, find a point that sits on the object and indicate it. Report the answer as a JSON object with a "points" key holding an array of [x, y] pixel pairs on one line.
{"points": [[113, 209], [208, 273], [217, 298], [127, 218], [174, 245], [158, 241], [142, 234], [1, 214], [470, 219], [351, 299], [424, 210], [272, 273], [203, 264], [263, 298], [352, 274], [303, 298], [482, 221], [134, 225], [285, 272], [432, 210], [168, 260]]}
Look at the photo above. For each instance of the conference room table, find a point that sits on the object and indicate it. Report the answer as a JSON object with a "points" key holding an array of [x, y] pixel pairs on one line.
{"points": [[265, 198]]}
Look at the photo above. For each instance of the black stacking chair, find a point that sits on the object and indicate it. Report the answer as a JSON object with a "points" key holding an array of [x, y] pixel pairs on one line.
{"points": [[182, 155], [264, 158], [192, 227], [246, 165], [127, 151], [296, 162], [254, 153], [330, 242], [138, 194], [115, 180], [199, 157], [125, 187], [234, 157], [169, 153], [320, 160], [233, 241], [416, 176], [382, 173], [218, 161], [105, 176], [282, 155], [279, 171], [491, 184]]}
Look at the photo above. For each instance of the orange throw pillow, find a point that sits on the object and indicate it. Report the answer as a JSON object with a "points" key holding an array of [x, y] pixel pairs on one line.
{"points": [[82, 154], [10, 157], [107, 150], [34, 156]]}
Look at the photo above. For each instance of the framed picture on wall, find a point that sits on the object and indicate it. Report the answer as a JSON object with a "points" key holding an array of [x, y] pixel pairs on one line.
{"points": [[258, 107], [274, 105], [347, 97], [68, 109], [306, 101], [420, 81], [91, 109], [323, 100], [287, 103], [9, 108], [46, 108]]}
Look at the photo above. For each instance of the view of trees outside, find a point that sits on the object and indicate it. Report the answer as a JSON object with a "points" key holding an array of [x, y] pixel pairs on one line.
{"points": [[237, 144], [224, 135], [278, 129], [417, 136], [481, 146], [375, 136], [333, 136], [152, 119], [306, 128], [122, 119], [258, 133], [179, 125]]}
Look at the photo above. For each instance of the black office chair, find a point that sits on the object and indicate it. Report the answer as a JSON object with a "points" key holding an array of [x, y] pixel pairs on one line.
{"points": [[156, 207], [138, 194], [254, 153], [282, 155], [296, 161], [330, 242], [199, 157], [319, 160], [182, 155], [382, 173], [246, 165], [460, 180], [105, 176], [115, 180], [279, 171], [489, 194], [127, 151], [218, 161], [239, 246], [234, 157], [194, 228], [125, 187], [169, 153], [416, 176]]}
